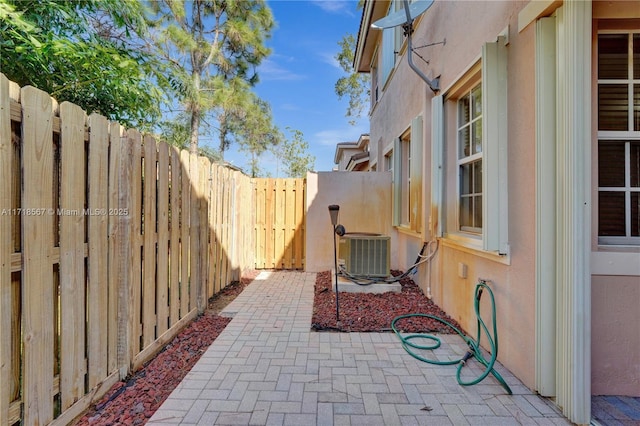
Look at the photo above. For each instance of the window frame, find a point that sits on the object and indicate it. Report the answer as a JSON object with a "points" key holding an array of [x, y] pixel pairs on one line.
{"points": [[628, 136], [471, 159], [490, 70]]}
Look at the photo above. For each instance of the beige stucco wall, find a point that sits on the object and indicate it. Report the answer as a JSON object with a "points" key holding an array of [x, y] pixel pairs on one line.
{"points": [[466, 25], [406, 96], [615, 343], [365, 206]]}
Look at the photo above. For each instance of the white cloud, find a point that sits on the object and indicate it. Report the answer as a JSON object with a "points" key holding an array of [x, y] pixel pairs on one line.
{"points": [[336, 6], [289, 107], [269, 70], [331, 137], [329, 58]]}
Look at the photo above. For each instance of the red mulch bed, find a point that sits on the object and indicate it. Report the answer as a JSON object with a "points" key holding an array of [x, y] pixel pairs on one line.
{"points": [[374, 312], [133, 402]]}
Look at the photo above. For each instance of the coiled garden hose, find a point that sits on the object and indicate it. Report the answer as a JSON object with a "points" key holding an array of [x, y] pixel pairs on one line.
{"points": [[474, 345]]}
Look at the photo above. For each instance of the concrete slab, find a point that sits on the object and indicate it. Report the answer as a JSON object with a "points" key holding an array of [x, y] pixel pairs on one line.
{"points": [[348, 286]]}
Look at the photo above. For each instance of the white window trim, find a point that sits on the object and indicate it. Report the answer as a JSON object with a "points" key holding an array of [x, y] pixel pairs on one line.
{"points": [[407, 178], [494, 238], [626, 136]]}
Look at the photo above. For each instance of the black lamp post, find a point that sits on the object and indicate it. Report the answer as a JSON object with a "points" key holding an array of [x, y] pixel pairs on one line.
{"points": [[333, 212]]}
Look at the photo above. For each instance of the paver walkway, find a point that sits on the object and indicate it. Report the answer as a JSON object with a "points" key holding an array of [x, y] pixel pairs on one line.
{"points": [[268, 368]]}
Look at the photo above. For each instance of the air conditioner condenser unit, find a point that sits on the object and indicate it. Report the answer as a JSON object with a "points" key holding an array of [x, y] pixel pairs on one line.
{"points": [[365, 254]]}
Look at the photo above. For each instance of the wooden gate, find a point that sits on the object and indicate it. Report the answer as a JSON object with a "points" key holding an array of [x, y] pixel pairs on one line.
{"points": [[280, 223]]}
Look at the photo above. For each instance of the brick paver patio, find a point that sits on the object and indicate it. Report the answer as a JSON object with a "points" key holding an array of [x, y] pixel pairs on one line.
{"points": [[268, 368]]}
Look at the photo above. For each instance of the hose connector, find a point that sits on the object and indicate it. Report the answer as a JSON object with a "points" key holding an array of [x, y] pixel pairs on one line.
{"points": [[466, 357]]}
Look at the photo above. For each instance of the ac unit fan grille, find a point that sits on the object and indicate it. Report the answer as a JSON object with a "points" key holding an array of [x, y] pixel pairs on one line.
{"points": [[368, 256]]}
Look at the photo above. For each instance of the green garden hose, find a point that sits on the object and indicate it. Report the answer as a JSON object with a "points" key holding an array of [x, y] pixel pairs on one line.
{"points": [[474, 345]]}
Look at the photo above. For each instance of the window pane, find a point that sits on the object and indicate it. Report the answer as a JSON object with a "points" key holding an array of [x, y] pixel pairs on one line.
{"points": [[465, 212], [477, 136], [636, 56], [465, 144], [636, 107], [611, 214], [476, 101], [466, 179], [611, 164], [477, 177], [613, 56], [463, 111], [613, 104], [635, 214], [477, 211], [634, 165]]}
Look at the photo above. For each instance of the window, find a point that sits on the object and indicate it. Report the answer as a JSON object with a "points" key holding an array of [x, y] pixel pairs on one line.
{"points": [[469, 156], [374, 80], [470, 161], [392, 40], [619, 138], [407, 178], [388, 161]]}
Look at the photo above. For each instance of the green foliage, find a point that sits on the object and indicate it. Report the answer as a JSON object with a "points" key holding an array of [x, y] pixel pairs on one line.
{"points": [[354, 86], [254, 132], [294, 155], [67, 49]]}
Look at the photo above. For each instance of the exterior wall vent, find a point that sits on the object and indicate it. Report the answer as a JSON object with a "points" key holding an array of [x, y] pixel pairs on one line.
{"points": [[365, 254]]}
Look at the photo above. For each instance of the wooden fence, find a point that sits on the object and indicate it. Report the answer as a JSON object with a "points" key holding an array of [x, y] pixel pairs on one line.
{"points": [[109, 244], [280, 223]]}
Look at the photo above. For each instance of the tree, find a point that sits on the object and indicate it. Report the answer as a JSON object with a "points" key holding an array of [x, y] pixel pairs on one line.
{"points": [[294, 155], [255, 133], [64, 48], [214, 47], [354, 86]]}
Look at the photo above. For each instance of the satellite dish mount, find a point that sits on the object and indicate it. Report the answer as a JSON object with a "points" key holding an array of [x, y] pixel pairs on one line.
{"points": [[411, 12]]}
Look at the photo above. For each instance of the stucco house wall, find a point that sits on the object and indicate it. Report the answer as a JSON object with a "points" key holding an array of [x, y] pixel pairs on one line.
{"points": [[597, 296], [365, 206], [406, 96]]}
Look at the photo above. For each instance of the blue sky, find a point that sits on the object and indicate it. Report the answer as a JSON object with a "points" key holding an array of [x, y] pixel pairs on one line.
{"points": [[298, 78]]}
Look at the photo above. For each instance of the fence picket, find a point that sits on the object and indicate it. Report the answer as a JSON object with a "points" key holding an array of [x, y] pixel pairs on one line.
{"points": [[37, 279], [117, 167], [149, 242], [194, 232], [98, 321], [300, 223], [72, 264], [6, 249], [134, 272], [174, 244], [123, 256], [185, 218], [162, 280], [203, 248], [213, 238]]}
